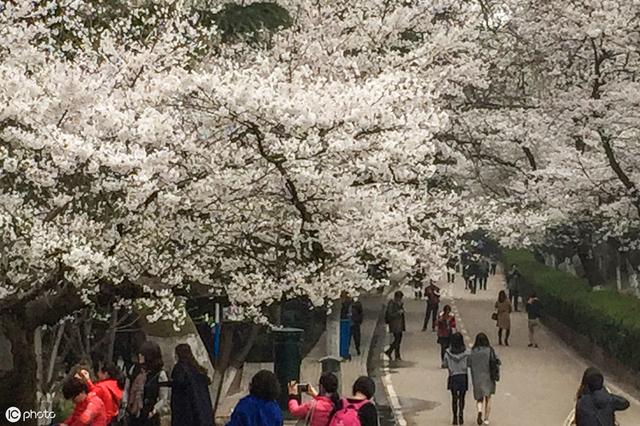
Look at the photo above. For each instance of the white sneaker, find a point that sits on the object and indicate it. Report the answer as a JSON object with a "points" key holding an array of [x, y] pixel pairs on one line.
{"points": [[486, 422]]}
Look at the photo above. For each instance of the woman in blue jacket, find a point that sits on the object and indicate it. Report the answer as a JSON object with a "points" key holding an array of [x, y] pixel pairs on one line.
{"points": [[260, 407]]}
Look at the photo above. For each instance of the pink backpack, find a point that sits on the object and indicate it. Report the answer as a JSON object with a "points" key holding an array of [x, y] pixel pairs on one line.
{"points": [[348, 414]]}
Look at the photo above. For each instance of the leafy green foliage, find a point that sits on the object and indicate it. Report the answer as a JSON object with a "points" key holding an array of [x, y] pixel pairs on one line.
{"points": [[611, 320], [236, 21]]}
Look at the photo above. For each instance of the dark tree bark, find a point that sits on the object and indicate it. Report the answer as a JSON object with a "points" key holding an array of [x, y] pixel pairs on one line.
{"points": [[18, 323], [18, 386], [590, 265]]}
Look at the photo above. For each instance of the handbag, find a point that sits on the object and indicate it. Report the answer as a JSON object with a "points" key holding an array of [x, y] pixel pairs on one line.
{"points": [[494, 316], [307, 419], [494, 366]]}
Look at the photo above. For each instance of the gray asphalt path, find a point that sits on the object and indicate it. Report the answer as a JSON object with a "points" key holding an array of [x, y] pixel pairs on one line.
{"points": [[537, 387]]}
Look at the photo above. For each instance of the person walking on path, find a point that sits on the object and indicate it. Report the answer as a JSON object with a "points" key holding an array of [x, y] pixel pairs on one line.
{"points": [[323, 404], [394, 317], [484, 364], [353, 310], [534, 312], [358, 410], [595, 406], [466, 274], [513, 284], [451, 269], [455, 359], [357, 317], [493, 264], [474, 274], [259, 408], [417, 281], [503, 317], [148, 393], [433, 302], [483, 273], [190, 398], [446, 328]]}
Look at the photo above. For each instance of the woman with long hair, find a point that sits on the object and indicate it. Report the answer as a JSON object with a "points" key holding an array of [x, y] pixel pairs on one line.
{"points": [[190, 397], [318, 411], [148, 392], [446, 328], [455, 359], [503, 317], [483, 363]]}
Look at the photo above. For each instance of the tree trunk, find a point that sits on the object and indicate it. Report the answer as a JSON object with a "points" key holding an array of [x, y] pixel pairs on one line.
{"points": [[54, 354], [37, 347], [113, 325], [618, 271], [590, 266], [18, 386]]}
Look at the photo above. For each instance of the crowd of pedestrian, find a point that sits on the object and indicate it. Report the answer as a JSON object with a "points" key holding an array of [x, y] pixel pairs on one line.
{"points": [[595, 405], [140, 396]]}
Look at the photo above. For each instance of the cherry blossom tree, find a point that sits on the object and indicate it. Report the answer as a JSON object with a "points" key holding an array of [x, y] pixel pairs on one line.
{"points": [[144, 156], [552, 132]]}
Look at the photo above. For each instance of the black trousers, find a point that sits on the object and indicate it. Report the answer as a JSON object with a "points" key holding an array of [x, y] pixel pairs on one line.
{"points": [[356, 334], [451, 277], [457, 402], [473, 283], [508, 334], [135, 421], [493, 269], [483, 282], [513, 298], [432, 311], [418, 293], [395, 345]]}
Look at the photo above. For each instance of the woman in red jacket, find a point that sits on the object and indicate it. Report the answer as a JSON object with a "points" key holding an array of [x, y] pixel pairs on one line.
{"points": [[109, 388], [89, 409], [446, 328]]}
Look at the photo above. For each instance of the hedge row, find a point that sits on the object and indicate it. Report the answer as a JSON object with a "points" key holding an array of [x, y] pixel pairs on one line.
{"points": [[610, 319]]}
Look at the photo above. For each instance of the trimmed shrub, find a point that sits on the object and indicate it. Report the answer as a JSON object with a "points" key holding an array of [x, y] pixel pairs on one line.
{"points": [[609, 319]]}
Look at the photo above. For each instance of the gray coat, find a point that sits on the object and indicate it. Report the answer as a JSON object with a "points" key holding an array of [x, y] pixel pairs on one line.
{"points": [[478, 361], [513, 281], [395, 316], [456, 363]]}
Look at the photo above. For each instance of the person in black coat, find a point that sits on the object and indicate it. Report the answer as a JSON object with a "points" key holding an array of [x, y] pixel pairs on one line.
{"points": [[596, 406], [190, 398], [352, 310]]}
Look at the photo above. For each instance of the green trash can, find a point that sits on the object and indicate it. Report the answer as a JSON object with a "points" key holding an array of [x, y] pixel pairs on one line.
{"points": [[286, 359]]}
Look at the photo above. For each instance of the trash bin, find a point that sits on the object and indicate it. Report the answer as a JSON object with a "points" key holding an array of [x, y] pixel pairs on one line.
{"points": [[345, 338], [286, 359], [331, 364]]}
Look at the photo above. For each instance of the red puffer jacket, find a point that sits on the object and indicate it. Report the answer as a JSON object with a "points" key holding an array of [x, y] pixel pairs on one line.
{"points": [[446, 325], [88, 412], [110, 394]]}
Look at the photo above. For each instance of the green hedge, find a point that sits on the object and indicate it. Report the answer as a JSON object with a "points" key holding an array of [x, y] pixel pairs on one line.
{"points": [[610, 319]]}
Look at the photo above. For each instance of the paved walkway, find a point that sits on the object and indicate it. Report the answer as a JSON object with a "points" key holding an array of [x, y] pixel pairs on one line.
{"points": [[537, 386]]}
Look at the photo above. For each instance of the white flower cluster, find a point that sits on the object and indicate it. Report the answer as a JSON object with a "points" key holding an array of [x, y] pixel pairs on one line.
{"points": [[261, 172]]}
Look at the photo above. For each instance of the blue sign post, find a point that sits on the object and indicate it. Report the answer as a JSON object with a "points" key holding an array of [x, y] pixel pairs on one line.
{"points": [[345, 337], [216, 340]]}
